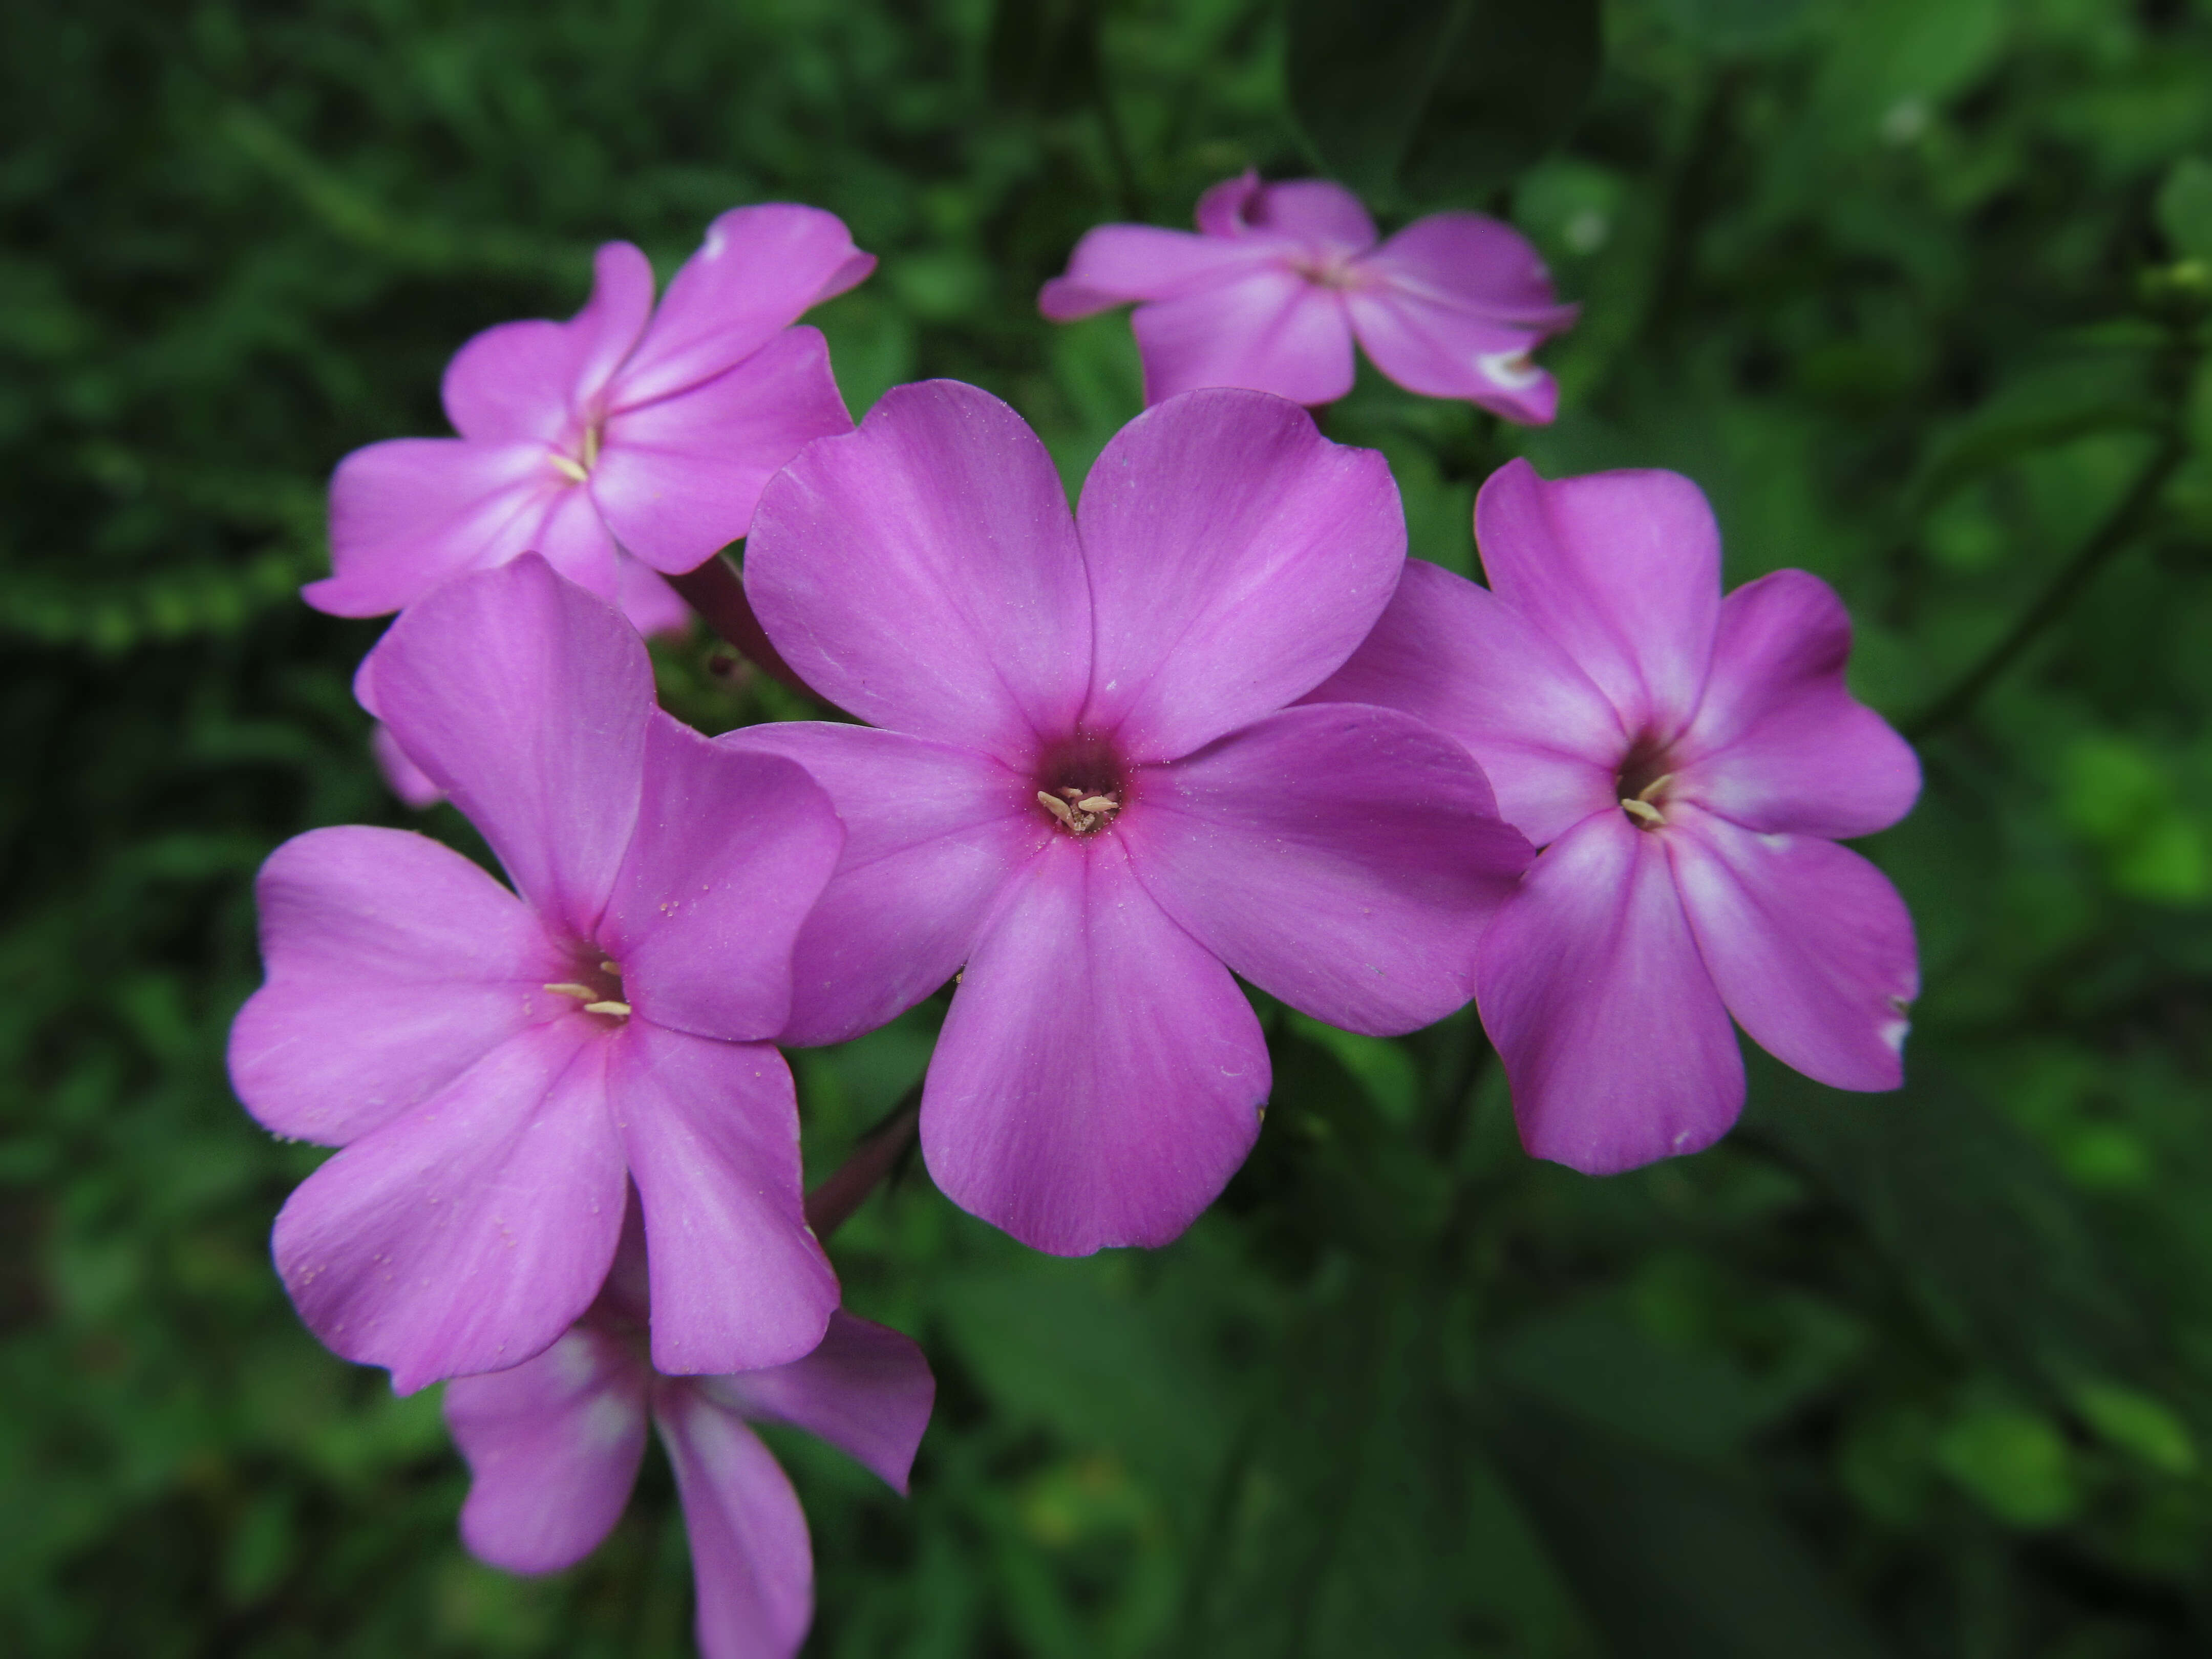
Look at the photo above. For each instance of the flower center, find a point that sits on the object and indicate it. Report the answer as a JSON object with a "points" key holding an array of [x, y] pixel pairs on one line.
{"points": [[1082, 787], [1330, 271], [1643, 782], [599, 990], [577, 468]]}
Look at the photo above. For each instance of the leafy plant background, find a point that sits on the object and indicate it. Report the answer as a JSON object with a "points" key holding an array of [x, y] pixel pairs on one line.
{"points": [[1924, 1374]]}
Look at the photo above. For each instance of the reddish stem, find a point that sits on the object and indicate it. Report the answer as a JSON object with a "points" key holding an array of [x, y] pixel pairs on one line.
{"points": [[829, 1205], [717, 592]]}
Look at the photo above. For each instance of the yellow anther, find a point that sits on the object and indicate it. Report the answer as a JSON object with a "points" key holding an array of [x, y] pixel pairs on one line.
{"points": [[614, 968], [581, 992], [566, 465], [1644, 810], [591, 447], [1059, 808], [1655, 785], [622, 1008], [1098, 804]]}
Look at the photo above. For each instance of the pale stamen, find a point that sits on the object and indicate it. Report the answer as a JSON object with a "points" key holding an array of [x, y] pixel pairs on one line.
{"points": [[1644, 810], [564, 464], [1079, 810], [622, 1008], [581, 992]]}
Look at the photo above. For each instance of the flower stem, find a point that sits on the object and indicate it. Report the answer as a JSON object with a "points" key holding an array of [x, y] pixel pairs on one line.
{"points": [[880, 1149], [717, 592], [2119, 528]]}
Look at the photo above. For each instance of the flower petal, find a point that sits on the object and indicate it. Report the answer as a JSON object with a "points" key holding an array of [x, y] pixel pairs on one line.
{"points": [[468, 1234], [402, 775], [1116, 263], [1271, 331], [1810, 945], [1341, 858], [1312, 210], [1450, 653], [712, 1134], [731, 852], [677, 478], [394, 966], [1613, 1038], [752, 1560], [1473, 264], [1222, 210], [532, 380], [758, 271], [652, 606], [1779, 743], [1099, 1077], [1236, 557], [525, 700], [1442, 352], [553, 1449], [1621, 568], [866, 1390], [923, 572], [575, 541], [932, 834], [412, 512]]}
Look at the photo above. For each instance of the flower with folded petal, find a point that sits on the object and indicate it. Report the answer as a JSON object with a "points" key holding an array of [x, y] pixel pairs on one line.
{"points": [[498, 1068], [1282, 279], [554, 1446], [623, 444], [1088, 787], [1687, 763]]}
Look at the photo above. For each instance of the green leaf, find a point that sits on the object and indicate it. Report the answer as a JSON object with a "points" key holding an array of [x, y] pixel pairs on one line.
{"points": [[1669, 1559], [1385, 1072], [2184, 207], [2137, 1425], [1438, 100], [2015, 1461]]}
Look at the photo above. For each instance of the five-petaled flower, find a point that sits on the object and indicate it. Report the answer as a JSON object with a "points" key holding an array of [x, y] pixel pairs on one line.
{"points": [[498, 1069], [553, 1446], [1281, 278], [1687, 763], [1089, 789], [622, 443]]}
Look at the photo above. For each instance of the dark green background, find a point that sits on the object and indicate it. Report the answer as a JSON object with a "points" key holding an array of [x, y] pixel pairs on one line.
{"points": [[1922, 1374]]}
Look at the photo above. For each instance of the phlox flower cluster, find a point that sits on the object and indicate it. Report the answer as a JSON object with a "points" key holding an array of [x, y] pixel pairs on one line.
{"points": [[1092, 766]]}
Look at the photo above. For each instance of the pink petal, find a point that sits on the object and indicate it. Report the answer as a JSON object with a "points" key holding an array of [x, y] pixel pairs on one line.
{"points": [[1223, 209], [1450, 653], [866, 1390], [575, 541], [1312, 210], [923, 572], [404, 778], [652, 607], [758, 271], [1475, 265], [1272, 330], [394, 966], [410, 514], [1343, 859], [1779, 743], [553, 1449], [1116, 263], [1809, 944], [750, 1558], [932, 834], [731, 852], [1099, 1077], [1236, 557], [1613, 1038], [1621, 568], [712, 1134], [468, 1234], [531, 380], [525, 700], [677, 479], [1442, 352]]}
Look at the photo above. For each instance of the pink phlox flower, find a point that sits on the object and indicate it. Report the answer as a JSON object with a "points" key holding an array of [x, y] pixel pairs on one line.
{"points": [[1282, 279], [1089, 788], [553, 1446], [497, 1065], [1687, 763], [623, 443]]}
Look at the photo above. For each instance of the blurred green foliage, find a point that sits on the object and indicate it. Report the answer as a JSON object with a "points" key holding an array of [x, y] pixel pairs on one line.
{"points": [[1909, 286]]}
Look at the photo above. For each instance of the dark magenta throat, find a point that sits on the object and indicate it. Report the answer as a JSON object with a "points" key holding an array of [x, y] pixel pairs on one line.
{"points": [[1082, 784]]}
